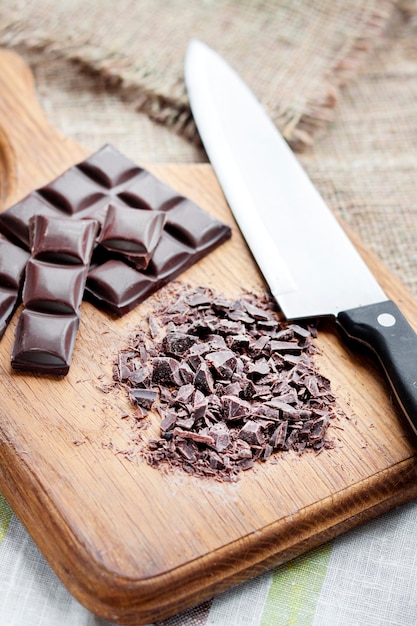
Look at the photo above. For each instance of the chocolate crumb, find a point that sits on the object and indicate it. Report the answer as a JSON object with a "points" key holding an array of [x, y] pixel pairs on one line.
{"points": [[232, 383]]}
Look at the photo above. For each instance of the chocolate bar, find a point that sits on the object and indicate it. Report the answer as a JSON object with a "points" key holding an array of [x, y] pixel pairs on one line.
{"points": [[52, 293], [168, 232], [188, 235]]}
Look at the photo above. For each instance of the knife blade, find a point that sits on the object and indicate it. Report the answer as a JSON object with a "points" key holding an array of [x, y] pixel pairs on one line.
{"points": [[308, 262]]}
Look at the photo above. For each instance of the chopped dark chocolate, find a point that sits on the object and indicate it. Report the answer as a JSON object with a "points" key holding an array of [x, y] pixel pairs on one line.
{"points": [[234, 408], [185, 394], [277, 439], [165, 371], [143, 397], [223, 362], [175, 344], [251, 432], [203, 379], [239, 401], [221, 436]]}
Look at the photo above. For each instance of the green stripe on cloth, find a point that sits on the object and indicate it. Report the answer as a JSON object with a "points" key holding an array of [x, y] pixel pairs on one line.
{"points": [[295, 589], [5, 517]]}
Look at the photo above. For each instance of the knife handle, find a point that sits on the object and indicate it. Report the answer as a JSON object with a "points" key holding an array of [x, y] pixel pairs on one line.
{"points": [[384, 329]]}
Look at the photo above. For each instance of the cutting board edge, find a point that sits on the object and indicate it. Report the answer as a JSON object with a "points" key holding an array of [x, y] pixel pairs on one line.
{"points": [[159, 596]]}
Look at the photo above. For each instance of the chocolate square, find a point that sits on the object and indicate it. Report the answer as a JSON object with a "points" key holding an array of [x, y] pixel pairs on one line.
{"points": [[134, 232], [118, 287], [44, 343], [62, 241], [54, 288]]}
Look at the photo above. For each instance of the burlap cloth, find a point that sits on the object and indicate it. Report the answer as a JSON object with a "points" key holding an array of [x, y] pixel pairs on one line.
{"points": [[139, 45], [340, 73]]}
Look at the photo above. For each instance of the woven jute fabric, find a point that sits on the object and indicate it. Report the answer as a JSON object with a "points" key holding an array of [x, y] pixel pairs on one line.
{"points": [[366, 164], [295, 55], [363, 160]]}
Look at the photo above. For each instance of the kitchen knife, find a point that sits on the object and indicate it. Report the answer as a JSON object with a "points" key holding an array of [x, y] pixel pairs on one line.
{"points": [[307, 260]]}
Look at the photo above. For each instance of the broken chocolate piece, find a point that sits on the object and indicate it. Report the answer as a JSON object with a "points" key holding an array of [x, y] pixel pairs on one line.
{"points": [[143, 397], [165, 371], [224, 362], [234, 408], [277, 438], [185, 394], [203, 379], [52, 294], [252, 433], [175, 344], [221, 436]]}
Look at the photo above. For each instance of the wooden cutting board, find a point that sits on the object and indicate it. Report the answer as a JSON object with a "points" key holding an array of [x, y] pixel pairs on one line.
{"points": [[133, 544]]}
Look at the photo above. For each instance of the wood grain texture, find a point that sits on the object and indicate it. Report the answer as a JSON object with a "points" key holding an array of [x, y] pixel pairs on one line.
{"points": [[133, 544]]}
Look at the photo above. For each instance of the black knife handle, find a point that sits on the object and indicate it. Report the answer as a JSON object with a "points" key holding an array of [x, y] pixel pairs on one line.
{"points": [[384, 329]]}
